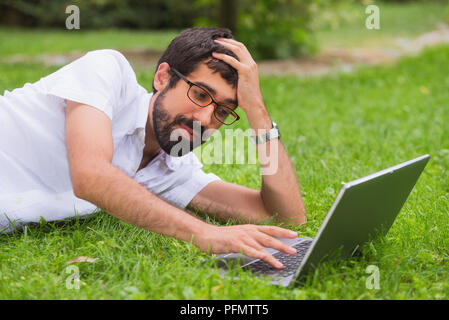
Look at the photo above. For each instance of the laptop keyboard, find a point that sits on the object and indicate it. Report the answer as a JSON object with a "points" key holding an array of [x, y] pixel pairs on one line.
{"points": [[291, 262]]}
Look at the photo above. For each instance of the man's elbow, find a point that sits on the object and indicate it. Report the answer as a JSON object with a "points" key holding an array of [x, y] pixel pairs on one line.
{"points": [[81, 184], [296, 219], [88, 178], [302, 215], [302, 219], [78, 188]]}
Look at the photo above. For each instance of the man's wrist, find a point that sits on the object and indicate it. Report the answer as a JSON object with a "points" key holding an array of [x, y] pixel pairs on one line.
{"points": [[266, 135], [191, 229], [258, 118], [202, 235]]}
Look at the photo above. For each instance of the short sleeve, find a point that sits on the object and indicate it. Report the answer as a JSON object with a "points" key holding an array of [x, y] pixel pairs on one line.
{"points": [[181, 195], [96, 79], [175, 179]]}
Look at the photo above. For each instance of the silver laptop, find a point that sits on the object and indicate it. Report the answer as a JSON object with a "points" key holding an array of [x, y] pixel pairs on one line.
{"points": [[364, 208]]}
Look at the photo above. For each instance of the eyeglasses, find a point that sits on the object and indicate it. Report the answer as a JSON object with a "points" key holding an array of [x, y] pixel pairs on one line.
{"points": [[202, 98]]}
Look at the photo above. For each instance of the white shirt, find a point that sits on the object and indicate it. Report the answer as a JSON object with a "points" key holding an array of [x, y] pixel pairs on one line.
{"points": [[34, 171]]}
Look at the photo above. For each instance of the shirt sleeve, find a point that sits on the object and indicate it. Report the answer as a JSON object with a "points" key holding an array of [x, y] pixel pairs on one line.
{"points": [[175, 179], [96, 79], [182, 195]]}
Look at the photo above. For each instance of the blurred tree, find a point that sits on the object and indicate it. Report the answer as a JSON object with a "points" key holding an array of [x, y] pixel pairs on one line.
{"points": [[276, 29], [228, 14], [446, 12], [271, 29], [154, 14]]}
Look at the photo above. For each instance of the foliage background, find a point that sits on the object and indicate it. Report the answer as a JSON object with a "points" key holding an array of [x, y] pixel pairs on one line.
{"points": [[271, 28]]}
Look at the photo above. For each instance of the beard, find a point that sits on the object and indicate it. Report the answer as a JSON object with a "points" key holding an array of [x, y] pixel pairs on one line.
{"points": [[171, 139]]}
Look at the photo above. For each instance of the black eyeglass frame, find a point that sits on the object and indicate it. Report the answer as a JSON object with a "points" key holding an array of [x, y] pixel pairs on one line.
{"points": [[191, 84]]}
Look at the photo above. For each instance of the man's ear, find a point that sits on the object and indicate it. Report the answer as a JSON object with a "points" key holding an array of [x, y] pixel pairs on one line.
{"points": [[162, 77]]}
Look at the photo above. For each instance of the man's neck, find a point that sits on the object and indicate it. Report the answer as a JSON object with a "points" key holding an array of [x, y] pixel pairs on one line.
{"points": [[152, 147]]}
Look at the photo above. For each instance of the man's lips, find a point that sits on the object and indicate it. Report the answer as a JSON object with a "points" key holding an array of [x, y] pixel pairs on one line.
{"points": [[189, 130]]}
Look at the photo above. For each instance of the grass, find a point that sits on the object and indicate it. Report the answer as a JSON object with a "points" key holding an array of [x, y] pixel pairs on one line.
{"points": [[336, 129], [343, 26], [41, 41]]}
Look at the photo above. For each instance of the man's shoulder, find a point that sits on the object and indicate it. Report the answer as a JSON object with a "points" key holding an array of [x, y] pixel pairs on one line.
{"points": [[110, 54], [112, 64]]}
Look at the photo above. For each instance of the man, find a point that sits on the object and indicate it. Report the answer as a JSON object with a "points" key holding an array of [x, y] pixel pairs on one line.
{"points": [[90, 136]]}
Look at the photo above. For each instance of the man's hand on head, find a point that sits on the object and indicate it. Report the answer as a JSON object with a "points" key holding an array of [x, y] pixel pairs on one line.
{"points": [[249, 96], [248, 91]]}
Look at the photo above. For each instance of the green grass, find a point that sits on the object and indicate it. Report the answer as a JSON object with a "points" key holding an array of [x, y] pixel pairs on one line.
{"points": [[40, 41], [343, 26], [335, 129]]}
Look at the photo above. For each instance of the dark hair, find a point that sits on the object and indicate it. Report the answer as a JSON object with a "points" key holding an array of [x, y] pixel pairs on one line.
{"points": [[193, 46]]}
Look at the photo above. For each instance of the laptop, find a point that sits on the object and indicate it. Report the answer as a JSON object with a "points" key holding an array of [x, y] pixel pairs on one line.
{"points": [[364, 208]]}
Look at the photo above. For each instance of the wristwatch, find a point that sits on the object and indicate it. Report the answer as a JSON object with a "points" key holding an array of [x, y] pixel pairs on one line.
{"points": [[273, 133]]}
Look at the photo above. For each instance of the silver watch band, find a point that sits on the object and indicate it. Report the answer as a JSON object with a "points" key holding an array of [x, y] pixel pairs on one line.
{"points": [[273, 133]]}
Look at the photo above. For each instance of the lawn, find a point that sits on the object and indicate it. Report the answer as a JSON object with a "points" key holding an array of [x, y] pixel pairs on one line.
{"points": [[343, 24], [336, 129], [41, 41]]}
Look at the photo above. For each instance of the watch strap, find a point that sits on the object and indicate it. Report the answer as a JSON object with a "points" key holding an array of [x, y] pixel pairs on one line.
{"points": [[273, 133]]}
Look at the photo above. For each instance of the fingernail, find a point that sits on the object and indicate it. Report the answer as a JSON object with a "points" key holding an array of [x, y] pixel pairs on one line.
{"points": [[293, 233], [279, 265], [292, 250]]}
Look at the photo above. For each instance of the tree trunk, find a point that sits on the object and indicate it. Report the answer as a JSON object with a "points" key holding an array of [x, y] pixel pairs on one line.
{"points": [[228, 15]]}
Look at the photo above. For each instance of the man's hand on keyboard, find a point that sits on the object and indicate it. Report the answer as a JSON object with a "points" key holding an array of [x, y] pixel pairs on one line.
{"points": [[249, 240]]}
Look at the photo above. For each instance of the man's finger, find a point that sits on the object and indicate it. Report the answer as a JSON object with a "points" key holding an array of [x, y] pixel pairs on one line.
{"points": [[233, 41], [236, 43], [267, 257], [262, 254], [270, 242], [228, 44], [241, 52], [233, 62], [272, 260], [278, 232], [252, 252]]}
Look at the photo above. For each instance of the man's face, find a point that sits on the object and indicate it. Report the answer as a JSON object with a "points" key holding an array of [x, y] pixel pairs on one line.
{"points": [[178, 123]]}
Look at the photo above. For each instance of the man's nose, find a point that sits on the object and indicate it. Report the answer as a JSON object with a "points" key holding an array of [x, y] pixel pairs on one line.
{"points": [[204, 115]]}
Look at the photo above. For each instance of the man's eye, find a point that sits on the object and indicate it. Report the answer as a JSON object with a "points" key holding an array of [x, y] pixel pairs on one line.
{"points": [[200, 95], [223, 111]]}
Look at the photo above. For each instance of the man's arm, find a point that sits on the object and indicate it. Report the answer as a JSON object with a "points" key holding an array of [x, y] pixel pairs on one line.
{"points": [[280, 191], [278, 195], [95, 179]]}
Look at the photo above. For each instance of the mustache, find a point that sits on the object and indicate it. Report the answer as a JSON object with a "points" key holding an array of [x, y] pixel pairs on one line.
{"points": [[180, 119]]}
